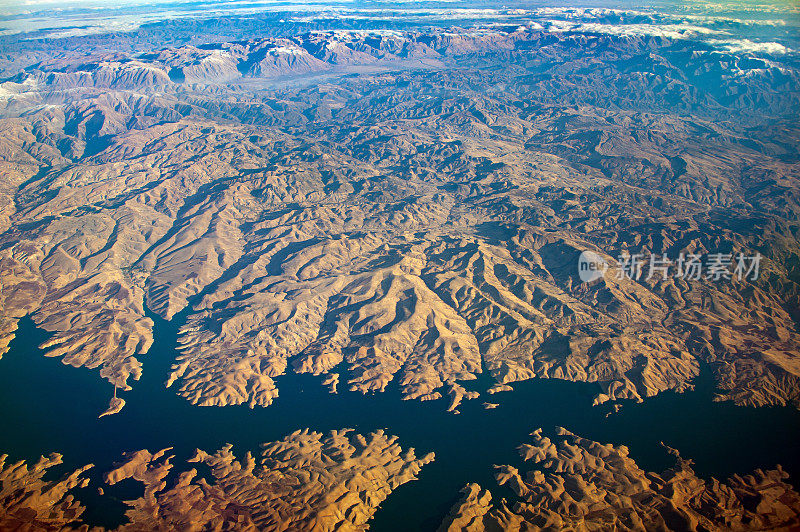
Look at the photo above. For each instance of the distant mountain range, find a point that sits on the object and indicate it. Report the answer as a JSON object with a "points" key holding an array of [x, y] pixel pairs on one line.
{"points": [[410, 206], [380, 195]]}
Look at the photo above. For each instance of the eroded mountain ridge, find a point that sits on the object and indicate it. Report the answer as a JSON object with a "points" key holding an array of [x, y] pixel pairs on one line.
{"points": [[420, 222]]}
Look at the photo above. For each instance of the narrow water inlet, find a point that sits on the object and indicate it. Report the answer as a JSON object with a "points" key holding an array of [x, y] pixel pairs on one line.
{"points": [[49, 407]]}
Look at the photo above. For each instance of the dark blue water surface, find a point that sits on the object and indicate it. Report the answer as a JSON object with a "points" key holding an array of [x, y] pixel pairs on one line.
{"points": [[46, 406]]}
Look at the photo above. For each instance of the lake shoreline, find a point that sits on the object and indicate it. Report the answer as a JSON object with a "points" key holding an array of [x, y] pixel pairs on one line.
{"points": [[53, 408]]}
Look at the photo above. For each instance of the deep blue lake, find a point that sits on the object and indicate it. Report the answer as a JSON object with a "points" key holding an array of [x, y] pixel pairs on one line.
{"points": [[47, 407]]}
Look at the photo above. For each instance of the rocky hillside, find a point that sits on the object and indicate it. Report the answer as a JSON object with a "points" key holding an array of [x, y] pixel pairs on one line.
{"points": [[408, 207]]}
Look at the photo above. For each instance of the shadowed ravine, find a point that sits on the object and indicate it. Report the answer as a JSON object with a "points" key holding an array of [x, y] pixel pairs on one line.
{"points": [[721, 438]]}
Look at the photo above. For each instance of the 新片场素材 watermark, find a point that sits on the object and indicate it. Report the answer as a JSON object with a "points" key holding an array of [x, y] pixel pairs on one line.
{"points": [[591, 266], [690, 266]]}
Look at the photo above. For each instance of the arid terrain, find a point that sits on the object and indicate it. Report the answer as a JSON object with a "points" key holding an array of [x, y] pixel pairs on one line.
{"points": [[308, 481], [407, 206], [586, 485], [421, 225]]}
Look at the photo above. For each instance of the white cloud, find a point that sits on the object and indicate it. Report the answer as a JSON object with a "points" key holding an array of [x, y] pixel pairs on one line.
{"points": [[746, 45], [673, 31]]}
